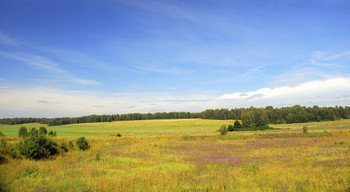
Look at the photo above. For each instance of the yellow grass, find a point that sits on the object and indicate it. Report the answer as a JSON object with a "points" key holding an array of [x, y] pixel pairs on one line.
{"points": [[283, 160]]}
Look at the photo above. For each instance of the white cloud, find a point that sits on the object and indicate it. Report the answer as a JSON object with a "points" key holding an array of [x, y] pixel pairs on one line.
{"points": [[48, 66], [6, 40], [320, 92], [48, 102]]}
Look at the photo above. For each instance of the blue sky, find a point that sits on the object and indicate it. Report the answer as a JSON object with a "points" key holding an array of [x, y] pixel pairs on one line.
{"points": [[72, 58]]}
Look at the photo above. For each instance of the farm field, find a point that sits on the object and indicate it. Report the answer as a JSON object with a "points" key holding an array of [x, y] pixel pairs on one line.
{"points": [[187, 155]]}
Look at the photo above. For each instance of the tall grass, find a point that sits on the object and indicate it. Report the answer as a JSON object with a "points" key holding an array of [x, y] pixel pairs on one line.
{"points": [[246, 161]]}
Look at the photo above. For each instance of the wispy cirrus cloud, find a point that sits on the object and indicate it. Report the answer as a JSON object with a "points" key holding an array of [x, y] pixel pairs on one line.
{"points": [[48, 66], [6, 40]]}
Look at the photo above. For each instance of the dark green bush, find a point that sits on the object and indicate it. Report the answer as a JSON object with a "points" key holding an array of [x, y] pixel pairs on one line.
{"points": [[37, 147], [119, 135], [23, 132], [33, 132], [52, 133], [43, 131], [1, 134], [82, 144], [230, 128], [71, 145], [63, 148]]}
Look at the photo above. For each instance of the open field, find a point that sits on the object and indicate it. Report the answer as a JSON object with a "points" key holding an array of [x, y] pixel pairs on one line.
{"points": [[188, 155]]}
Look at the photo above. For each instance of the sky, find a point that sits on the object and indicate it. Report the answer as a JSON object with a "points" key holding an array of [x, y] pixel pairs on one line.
{"points": [[62, 58]]}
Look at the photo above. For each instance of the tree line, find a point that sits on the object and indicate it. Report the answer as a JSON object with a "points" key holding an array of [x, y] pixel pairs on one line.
{"points": [[248, 116]]}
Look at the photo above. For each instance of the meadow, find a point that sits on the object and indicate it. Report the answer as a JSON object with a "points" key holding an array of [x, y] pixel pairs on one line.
{"points": [[187, 155]]}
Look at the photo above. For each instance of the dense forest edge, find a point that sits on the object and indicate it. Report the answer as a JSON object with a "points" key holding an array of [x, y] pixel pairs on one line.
{"points": [[249, 116]]}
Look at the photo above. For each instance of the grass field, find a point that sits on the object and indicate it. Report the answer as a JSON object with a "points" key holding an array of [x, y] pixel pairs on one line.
{"points": [[188, 155]]}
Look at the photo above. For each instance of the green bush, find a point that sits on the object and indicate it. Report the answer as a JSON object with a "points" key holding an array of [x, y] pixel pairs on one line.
{"points": [[305, 129], [43, 131], [63, 148], [23, 132], [33, 132], [71, 145], [52, 133], [37, 147], [1, 134], [230, 128], [223, 130], [82, 144], [119, 135]]}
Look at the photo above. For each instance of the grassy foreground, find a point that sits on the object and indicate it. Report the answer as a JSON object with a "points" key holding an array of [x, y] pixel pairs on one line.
{"points": [[189, 155]]}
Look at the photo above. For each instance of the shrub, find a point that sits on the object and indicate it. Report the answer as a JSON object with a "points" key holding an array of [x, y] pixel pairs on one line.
{"points": [[43, 131], [63, 148], [22, 132], [52, 133], [3, 159], [305, 129], [223, 130], [33, 132], [237, 125], [1, 134], [97, 157], [82, 144], [119, 135], [230, 128], [37, 147], [71, 145]]}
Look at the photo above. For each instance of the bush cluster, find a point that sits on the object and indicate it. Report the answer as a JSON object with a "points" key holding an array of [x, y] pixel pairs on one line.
{"points": [[82, 144]]}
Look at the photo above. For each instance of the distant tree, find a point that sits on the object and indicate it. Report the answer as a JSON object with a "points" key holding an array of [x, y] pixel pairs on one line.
{"points": [[22, 132]]}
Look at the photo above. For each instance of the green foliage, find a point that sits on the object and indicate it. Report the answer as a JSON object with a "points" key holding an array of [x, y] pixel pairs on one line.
{"points": [[63, 148], [23, 132], [97, 157], [52, 133], [71, 145], [237, 125], [82, 144], [37, 147], [1, 134], [43, 131], [305, 129], [230, 128], [223, 130], [33, 132]]}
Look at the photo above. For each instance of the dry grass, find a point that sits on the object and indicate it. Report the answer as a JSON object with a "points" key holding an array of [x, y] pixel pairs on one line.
{"points": [[250, 161]]}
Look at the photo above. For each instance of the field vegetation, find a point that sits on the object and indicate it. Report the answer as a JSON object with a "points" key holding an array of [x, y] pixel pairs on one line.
{"points": [[185, 155]]}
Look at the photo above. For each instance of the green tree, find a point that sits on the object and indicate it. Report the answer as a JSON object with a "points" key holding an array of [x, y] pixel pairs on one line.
{"points": [[23, 132], [237, 125], [37, 147], [43, 131], [82, 144]]}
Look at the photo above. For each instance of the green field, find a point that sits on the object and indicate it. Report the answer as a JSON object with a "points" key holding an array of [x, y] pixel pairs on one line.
{"points": [[187, 155]]}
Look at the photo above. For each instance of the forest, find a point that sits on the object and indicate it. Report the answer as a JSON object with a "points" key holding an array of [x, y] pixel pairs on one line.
{"points": [[251, 115]]}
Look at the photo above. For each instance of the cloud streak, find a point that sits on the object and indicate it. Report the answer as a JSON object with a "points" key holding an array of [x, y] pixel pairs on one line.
{"points": [[48, 66], [6, 40]]}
